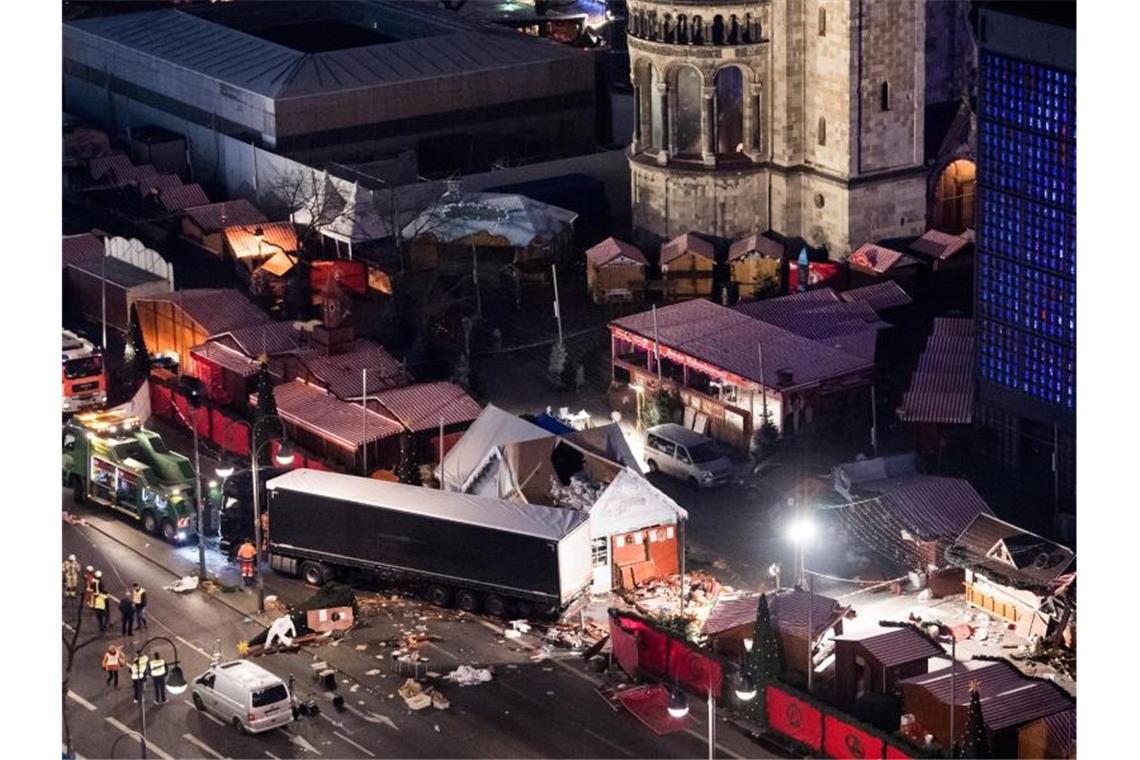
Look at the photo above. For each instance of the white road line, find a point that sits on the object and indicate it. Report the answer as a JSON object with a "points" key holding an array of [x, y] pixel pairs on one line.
{"points": [[452, 655], [68, 627], [202, 745], [73, 696], [350, 741], [203, 713], [270, 754], [151, 746]]}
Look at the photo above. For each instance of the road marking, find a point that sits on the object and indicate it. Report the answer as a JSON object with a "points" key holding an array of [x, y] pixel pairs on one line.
{"points": [[452, 655], [72, 695], [371, 717], [608, 743], [68, 627], [203, 713], [135, 735], [81, 757], [300, 741], [202, 745], [350, 741], [270, 754]]}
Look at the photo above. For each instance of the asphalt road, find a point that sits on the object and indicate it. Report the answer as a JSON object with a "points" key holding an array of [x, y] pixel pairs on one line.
{"points": [[545, 709]]}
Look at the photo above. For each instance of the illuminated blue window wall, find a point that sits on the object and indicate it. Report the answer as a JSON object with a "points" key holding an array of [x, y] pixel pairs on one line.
{"points": [[1026, 236]]}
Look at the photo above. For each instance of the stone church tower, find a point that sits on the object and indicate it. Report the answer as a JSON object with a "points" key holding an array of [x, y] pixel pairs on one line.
{"points": [[800, 116]]}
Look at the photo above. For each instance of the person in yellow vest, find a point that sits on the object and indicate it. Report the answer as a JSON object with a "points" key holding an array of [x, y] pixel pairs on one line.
{"points": [[158, 673], [138, 596], [138, 675], [71, 577], [102, 614]]}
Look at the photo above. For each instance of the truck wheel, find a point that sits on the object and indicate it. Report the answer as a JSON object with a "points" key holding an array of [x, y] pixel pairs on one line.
{"points": [[468, 601], [168, 530], [494, 605], [523, 609], [438, 595], [652, 465], [150, 523], [313, 573], [77, 490]]}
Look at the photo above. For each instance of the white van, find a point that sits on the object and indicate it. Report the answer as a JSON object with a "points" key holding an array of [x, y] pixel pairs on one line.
{"points": [[246, 696], [689, 456]]}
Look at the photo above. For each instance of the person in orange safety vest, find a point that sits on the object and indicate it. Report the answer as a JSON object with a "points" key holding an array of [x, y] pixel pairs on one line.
{"points": [[246, 554]]}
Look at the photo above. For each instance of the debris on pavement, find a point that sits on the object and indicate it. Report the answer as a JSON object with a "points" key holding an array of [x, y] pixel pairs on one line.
{"points": [[465, 675], [183, 585]]}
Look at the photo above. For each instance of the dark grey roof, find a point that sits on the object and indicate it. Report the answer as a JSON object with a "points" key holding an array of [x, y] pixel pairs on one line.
{"points": [[1036, 561], [266, 68], [895, 646]]}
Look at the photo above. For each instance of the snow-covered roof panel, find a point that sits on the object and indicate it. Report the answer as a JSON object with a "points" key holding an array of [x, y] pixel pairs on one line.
{"points": [[518, 220], [630, 503], [491, 429]]}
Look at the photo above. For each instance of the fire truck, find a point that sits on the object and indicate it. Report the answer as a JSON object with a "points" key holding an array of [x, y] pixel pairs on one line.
{"points": [[110, 459], [84, 381]]}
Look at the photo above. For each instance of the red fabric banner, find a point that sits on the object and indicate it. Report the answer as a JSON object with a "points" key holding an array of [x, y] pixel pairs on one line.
{"points": [[894, 753], [624, 643], [794, 717], [159, 401], [652, 646], [202, 420], [844, 741], [694, 670], [235, 438], [353, 275]]}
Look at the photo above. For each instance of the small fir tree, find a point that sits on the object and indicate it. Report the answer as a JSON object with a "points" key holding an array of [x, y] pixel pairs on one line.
{"points": [[765, 662], [266, 410], [408, 469], [556, 366], [136, 354], [975, 744], [766, 438]]}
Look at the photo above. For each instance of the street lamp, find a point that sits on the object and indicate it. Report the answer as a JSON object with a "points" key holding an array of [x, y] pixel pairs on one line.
{"points": [[944, 630], [678, 705], [800, 532], [175, 684]]}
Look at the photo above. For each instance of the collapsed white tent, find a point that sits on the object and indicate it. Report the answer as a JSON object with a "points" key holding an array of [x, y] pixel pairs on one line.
{"points": [[631, 503], [480, 444]]}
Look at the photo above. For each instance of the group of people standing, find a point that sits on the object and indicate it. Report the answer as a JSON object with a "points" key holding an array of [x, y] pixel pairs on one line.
{"points": [[132, 610]]}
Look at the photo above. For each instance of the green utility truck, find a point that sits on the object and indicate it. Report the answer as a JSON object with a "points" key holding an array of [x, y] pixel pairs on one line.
{"points": [[110, 459]]}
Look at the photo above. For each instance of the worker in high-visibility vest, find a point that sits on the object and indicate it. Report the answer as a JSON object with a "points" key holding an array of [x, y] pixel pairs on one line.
{"points": [[138, 675], [112, 662], [89, 586], [246, 554], [70, 577], [158, 673], [102, 614]]}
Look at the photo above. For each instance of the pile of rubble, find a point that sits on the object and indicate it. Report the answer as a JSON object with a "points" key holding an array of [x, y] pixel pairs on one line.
{"points": [[661, 597], [580, 494]]}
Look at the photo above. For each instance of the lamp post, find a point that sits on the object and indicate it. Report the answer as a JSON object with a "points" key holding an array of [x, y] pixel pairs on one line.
{"points": [[175, 684], [800, 532], [678, 705], [284, 457], [944, 630]]}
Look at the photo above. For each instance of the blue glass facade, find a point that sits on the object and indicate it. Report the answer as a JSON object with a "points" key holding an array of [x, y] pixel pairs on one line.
{"points": [[1026, 235]]}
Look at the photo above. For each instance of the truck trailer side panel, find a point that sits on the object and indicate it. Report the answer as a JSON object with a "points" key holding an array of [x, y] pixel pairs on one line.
{"points": [[417, 542], [575, 566]]}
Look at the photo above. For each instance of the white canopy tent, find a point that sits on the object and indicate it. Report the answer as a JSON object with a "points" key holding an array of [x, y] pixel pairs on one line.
{"points": [[631, 503], [480, 444]]}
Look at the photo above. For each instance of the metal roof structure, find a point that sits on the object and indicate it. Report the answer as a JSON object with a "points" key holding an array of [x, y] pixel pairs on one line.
{"points": [[727, 614], [895, 646], [182, 197], [226, 358], [1001, 549], [549, 523], [728, 340], [878, 259], [928, 507], [343, 424], [939, 245], [216, 310], [757, 244], [261, 240], [789, 611], [421, 406], [1008, 698], [343, 373], [269, 338], [686, 243], [518, 220], [215, 217], [82, 245], [880, 296], [610, 249], [942, 386], [116, 272]]}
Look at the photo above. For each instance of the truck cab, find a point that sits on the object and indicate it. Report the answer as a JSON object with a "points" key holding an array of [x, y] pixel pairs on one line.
{"points": [[110, 459]]}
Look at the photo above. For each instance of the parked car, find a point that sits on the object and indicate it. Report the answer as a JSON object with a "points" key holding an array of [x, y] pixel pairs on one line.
{"points": [[245, 695], [688, 456]]}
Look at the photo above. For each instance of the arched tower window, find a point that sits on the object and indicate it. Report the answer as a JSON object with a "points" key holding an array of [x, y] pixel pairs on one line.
{"points": [[821, 131], [718, 30], [688, 110], [885, 96], [822, 22], [730, 111]]}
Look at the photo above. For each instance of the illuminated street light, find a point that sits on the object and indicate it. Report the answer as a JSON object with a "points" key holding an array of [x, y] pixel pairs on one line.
{"points": [[745, 688], [801, 531], [678, 706]]}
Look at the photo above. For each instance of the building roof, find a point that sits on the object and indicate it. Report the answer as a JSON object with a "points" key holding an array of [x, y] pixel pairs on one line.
{"points": [[630, 502], [318, 411], [261, 240], [878, 259], [518, 220], [728, 340], [116, 271], [252, 63], [686, 243], [880, 296], [183, 197], [216, 310], [494, 427], [278, 265], [928, 507], [345, 211], [939, 245], [422, 405], [942, 386], [849, 327], [727, 614], [1008, 698], [998, 548], [82, 245], [610, 249], [790, 609], [1062, 730], [756, 243], [227, 358], [528, 519], [342, 373], [110, 167], [896, 646], [159, 182], [215, 217], [268, 338]]}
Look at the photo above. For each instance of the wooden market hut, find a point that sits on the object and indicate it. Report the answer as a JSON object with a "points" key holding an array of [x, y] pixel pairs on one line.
{"points": [[205, 225], [615, 271], [754, 262], [873, 661], [687, 265], [174, 323]]}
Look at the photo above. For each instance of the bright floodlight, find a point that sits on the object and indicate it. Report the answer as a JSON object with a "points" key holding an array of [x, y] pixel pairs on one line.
{"points": [[678, 706], [745, 689], [284, 455], [801, 530], [176, 682], [224, 469]]}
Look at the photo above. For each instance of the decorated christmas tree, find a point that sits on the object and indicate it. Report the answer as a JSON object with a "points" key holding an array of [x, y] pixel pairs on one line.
{"points": [[765, 662], [136, 354], [408, 470], [975, 743], [266, 410]]}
